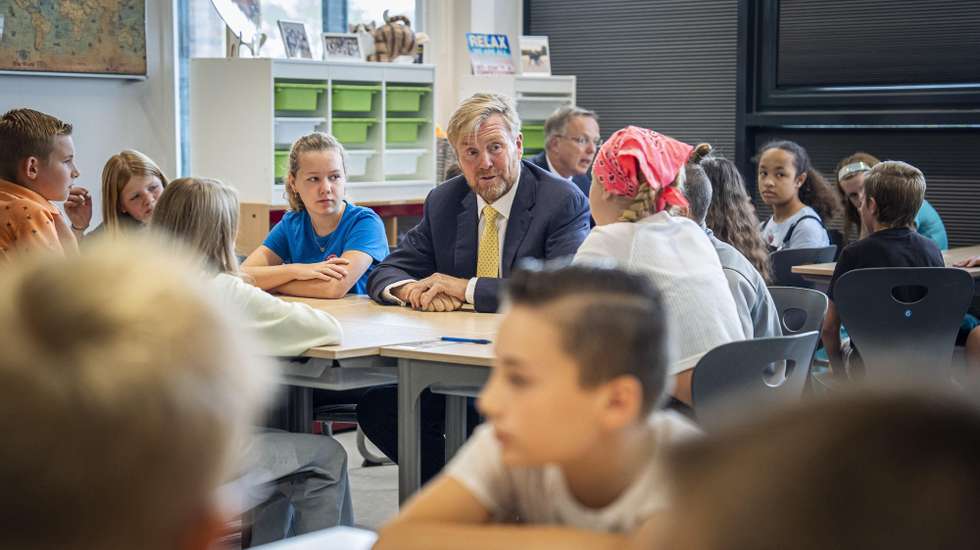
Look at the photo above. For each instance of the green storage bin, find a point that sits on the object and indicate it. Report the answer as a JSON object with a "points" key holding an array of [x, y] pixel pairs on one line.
{"points": [[282, 164], [352, 130], [404, 130], [533, 136], [353, 98], [292, 96], [405, 99]]}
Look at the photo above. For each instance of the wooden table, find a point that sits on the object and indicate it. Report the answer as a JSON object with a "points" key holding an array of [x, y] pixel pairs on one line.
{"points": [[820, 274], [375, 333]]}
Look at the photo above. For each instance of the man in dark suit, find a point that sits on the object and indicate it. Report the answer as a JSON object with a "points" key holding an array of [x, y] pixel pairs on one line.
{"points": [[571, 141], [535, 215], [475, 228]]}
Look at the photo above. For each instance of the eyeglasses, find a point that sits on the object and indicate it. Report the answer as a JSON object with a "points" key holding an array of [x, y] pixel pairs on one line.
{"points": [[583, 141]]}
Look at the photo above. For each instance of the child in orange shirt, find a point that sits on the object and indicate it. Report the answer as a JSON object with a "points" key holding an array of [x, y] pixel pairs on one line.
{"points": [[37, 166]]}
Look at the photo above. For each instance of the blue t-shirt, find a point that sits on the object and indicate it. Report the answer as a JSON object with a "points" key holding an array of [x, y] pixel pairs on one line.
{"points": [[294, 240], [929, 224]]}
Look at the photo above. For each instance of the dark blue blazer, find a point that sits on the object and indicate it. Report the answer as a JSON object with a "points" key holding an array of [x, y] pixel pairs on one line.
{"points": [[549, 219], [583, 182]]}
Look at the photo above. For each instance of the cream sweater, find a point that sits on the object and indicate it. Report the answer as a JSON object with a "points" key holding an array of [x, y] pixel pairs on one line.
{"points": [[678, 257], [284, 329]]}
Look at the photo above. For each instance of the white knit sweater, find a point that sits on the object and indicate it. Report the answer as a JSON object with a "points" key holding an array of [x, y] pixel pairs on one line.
{"points": [[284, 329], [678, 257]]}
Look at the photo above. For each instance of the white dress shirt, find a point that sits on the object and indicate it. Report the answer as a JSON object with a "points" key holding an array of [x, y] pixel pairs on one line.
{"points": [[503, 207], [551, 167]]}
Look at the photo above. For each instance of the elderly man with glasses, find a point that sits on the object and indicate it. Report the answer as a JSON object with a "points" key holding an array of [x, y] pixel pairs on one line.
{"points": [[571, 142]]}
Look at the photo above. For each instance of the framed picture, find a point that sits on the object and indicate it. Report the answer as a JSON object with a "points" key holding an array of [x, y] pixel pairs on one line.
{"points": [[295, 39], [341, 46], [535, 55]]}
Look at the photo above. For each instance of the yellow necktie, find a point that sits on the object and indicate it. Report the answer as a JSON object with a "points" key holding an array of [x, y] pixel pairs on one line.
{"points": [[488, 260]]}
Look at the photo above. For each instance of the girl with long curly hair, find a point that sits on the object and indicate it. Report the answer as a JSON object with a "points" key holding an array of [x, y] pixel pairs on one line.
{"points": [[731, 215], [799, 195]]}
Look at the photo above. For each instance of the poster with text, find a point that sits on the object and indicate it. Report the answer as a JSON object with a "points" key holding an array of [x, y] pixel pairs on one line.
{"points": [[489, 53]]}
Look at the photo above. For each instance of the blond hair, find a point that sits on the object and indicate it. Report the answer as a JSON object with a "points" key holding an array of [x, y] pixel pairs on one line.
{"points": [[475, 110], [118, 170], [898, 189], [202, 213], [27, 133], [312, 143], [644, 203], [121, 406]]}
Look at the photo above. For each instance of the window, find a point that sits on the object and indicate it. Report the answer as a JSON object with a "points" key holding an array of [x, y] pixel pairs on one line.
{"points": [[365, 11]]}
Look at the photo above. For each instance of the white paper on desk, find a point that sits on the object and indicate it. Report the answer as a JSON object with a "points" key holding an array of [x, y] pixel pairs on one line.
{"points": [[427, 344], [335, 538]]}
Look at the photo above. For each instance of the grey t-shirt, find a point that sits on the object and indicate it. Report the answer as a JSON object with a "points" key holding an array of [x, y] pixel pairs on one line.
{"points": [[756, 310], [809, 233]]}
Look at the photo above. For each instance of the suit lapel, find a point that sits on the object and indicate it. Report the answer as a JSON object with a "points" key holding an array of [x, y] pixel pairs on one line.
{"points": [[520, 218], [467, 222]]}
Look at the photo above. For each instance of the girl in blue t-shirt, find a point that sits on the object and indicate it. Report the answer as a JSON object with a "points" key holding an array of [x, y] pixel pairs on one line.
{"points": [[324, 247], [799, 195]]}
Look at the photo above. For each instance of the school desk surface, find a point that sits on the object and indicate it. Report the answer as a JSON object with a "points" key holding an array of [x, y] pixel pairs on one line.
{"points": [[820, 274]]}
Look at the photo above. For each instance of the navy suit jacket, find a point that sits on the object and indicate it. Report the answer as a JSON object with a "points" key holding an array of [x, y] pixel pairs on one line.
{"points": [[549, 219], [583, 182]]}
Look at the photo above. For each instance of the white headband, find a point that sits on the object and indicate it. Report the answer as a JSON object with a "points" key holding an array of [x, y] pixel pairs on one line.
{"points": [[851, 169]]}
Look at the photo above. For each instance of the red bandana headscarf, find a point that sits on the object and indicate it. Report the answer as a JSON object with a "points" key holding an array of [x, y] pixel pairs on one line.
{"points": [[657, 156]]}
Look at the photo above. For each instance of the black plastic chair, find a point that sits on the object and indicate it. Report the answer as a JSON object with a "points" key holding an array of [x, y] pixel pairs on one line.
{"points": [[800, 309], [903, 321], [783, 262], [837, 239], [738, 377]]}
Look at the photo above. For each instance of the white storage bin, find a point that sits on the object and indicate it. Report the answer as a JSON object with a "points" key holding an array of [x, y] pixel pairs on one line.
{"points": [[402, 162], [289, 129], [539, 107], [357, 160]]}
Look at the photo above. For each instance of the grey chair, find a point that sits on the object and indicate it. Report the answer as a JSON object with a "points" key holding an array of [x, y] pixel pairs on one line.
{"points": [[783, 262], [903, 321], [738, 377], [800, 309]]}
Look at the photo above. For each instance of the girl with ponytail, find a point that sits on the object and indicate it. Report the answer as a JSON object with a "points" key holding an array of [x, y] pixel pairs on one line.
{"points": [[637, 182]]}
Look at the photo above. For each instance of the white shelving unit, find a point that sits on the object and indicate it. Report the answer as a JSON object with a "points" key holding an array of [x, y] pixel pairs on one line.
{"points": [[236, 130]]}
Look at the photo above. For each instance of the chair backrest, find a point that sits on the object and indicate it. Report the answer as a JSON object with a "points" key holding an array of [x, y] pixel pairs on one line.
{"points": [[837, 239], [784, 260], [904, 320], [738, 376], [800, 309]]}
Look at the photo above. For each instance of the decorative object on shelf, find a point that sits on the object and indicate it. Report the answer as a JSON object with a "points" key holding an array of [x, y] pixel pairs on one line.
{"points": [[105, 38], [535, 55], [489, 53], [340, 46], [241, 31], [295, 39], [392, 41], [365, 37]]}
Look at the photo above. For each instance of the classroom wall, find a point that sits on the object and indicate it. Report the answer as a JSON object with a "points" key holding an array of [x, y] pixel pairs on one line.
{"points": [[668, 65], [447, 22], [113, 114]]}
